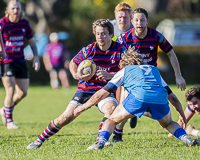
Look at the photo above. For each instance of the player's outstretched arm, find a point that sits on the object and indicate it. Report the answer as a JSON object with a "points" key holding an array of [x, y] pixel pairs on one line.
{"points": [[98, 96], [36, 62], [180, 81]]}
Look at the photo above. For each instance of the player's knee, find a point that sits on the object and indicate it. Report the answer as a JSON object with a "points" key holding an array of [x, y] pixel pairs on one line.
{"points": [[62, 74], [22, 94]]}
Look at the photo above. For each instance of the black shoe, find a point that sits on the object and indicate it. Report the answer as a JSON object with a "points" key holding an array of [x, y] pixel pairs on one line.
{"points": [[133, 122], [117, 138]]}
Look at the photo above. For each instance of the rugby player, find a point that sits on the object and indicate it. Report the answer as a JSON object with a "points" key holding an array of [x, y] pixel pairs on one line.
{"points": [[146, 93], [106, 54], [15, 78]]}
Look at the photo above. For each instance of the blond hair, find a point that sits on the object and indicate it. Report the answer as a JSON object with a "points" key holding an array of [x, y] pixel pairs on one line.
{"points": [[130, 57], [6, 12], [123, 6], [103, 23]]}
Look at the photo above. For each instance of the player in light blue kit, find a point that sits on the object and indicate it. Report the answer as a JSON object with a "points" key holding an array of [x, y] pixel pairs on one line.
{"points": [[146, 93]]}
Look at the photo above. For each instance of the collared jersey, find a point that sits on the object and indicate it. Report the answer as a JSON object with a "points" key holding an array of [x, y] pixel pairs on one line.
{"points": [[142, 81], [147, 46], [105, 60], [14, 38]]}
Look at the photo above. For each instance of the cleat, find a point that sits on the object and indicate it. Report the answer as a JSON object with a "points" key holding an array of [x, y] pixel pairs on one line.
{"points": [[3, 116], [95, 146], [34, 145], [192, 142], [117, 138], [133, 122], [12, 125], [107, 144]]}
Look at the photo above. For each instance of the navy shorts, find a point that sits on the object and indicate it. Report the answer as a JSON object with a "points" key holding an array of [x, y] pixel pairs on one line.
{"points": [[80, 98], [137, 108], [16, 69]]}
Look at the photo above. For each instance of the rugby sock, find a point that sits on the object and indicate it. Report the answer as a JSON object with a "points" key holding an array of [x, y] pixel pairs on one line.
{"points": [[103, 137], [9, 112], [50, 130], [118, 132], [100, 127], [180, 133]]}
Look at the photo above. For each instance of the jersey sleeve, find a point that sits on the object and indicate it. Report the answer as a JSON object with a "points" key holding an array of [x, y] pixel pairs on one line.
{"points": [[29, 33], [115, 82], [81, 55], [164, 44]]}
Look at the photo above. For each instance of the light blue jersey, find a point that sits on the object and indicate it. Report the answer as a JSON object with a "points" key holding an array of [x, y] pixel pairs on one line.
{"points": [[144, 82]]}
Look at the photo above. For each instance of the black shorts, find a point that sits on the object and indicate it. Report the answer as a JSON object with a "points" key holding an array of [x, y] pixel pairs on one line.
{"points": [[58, 68], [81, 98], [1, 69], [16, 69]]}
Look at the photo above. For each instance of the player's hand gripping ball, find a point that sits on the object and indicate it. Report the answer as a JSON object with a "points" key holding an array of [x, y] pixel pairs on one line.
{"points": [[89, 67]]}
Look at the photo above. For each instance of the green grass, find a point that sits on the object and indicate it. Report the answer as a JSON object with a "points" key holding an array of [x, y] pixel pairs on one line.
{"points": [[147, 141]]}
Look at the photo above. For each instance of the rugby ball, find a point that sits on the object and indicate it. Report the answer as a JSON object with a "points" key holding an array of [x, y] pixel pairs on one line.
{"points": [[89, 67]]}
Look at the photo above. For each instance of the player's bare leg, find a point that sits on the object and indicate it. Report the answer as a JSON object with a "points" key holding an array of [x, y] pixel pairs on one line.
{"points": [[119, 128], [9, 102], [54, 79], [63, 78], [118, 115], [107, 109], [54, 126], [174, 128], [21, 89]]}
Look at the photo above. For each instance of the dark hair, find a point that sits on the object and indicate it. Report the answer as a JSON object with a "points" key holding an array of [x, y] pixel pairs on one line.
{"points": [[103, 23], [140, 10], [192, 92]]}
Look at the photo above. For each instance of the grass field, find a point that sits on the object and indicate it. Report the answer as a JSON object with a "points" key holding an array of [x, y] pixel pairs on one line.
{"points": [[147, 141]]}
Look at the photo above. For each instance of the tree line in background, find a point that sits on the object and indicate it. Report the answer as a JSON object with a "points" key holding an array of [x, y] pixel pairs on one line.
{"points": [[76, 18]]}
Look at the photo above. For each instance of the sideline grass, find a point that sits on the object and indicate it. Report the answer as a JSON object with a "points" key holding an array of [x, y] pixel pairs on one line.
{"points": [[147, 141]]}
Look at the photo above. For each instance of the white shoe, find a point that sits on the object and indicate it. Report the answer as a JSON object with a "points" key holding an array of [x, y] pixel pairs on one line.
{"points": [[34, 145], [3, 116], [12, 125]]}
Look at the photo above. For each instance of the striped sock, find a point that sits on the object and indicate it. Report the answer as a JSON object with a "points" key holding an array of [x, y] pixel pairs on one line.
{"points": [[50, 130], [118, 132], [9, 112], [100, 127]]}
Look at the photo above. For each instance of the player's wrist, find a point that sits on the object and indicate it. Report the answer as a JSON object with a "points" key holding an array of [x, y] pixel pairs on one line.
{"points": [[195, 132]]}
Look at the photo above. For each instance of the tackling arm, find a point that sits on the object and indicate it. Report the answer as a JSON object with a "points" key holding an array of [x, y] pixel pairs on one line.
{"points": [[97, 97]]}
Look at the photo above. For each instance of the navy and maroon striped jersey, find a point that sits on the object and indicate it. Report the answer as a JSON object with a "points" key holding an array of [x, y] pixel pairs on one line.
{"points": [[14, 38], [148, 46], [104, 60]]}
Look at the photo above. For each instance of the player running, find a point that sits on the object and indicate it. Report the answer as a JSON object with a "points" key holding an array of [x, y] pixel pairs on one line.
{"points": [[106, 54], [15, 78]]}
